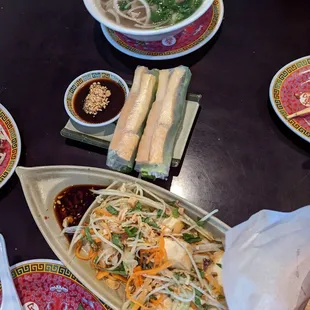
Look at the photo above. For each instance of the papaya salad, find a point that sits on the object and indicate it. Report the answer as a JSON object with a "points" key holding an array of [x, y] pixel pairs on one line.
{"points": [[163, 258]]}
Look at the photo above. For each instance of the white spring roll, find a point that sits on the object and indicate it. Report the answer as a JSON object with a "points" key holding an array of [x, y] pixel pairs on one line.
{"points": [[163, 125], [123, 147]]}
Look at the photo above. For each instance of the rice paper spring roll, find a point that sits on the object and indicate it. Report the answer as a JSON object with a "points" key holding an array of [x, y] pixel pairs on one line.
{"points": [[129, 128], [163, 124]]}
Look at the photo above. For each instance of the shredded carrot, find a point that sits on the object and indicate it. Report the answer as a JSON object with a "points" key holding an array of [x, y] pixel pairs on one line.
{"points": [[159, 254], [78, 254], [118, 277], [92, 261], [142, 272], [103, 212], [162, 247], [158, 301], [139, 300], [214, 283], [101, 274], [150, 257]]}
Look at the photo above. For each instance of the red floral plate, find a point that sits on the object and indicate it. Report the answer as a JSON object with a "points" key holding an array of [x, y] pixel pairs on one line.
{"points": [[12, 150], [189, 40], [49, 285], [288, 94]]}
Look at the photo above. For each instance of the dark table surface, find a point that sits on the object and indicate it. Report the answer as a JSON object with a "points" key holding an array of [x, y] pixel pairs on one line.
{"points": [[240, 158]]}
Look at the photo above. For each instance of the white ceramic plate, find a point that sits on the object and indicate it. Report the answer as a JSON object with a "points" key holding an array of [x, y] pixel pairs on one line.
{"points": [[42, 184], [193, 37], [13, 150]]}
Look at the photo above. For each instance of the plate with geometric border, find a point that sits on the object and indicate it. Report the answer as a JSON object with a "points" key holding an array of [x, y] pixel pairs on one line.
{"points": [[289, 92], [48, 284], [11, 149], [193, 37]]}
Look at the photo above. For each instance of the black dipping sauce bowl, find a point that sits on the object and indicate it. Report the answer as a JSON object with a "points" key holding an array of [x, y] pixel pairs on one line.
{"points": [[79, 89]]}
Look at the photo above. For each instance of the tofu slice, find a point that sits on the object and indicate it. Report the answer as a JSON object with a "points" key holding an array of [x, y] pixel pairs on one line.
{"points": [[172, 224], [177, 254]]}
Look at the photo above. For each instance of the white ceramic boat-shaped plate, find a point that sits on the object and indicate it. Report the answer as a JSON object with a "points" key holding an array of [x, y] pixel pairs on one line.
{"points": [[42, 184]]}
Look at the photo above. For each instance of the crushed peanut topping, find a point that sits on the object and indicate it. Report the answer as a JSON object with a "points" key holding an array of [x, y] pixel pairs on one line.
{"points": [[97, 98]]}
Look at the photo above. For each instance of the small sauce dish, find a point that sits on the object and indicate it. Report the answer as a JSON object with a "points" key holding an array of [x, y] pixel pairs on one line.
{"points": [[95, 98]]}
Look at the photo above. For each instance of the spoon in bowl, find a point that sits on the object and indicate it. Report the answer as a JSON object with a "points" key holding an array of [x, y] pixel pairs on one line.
{"points": [[10, 298]]}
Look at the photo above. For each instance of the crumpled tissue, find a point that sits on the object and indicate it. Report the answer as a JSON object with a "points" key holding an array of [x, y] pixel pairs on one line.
{"points": [[266, 265]]}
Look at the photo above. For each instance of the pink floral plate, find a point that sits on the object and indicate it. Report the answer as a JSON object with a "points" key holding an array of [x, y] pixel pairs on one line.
{"points": [[49, 285], [11, 149], [290, 92], [189, 40]]}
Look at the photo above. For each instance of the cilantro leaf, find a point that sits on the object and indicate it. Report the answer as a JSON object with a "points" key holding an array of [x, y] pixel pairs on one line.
{"points": [[131, 232], [189, 238], [112, 210], [137, 207], [150, 222], [116, 239], [124, 5], [119, 270], [160, 212], [175, 212]]}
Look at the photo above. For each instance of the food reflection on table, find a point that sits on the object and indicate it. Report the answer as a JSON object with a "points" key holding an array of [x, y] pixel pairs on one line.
{"points": [[161, 256]]}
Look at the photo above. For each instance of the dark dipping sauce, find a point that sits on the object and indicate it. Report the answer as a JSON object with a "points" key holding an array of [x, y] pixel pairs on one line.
{"points": [[73, 201], [117, 100]]}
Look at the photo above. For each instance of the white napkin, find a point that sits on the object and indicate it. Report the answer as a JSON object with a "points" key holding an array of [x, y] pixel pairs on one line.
{"points": [[266, 265]]}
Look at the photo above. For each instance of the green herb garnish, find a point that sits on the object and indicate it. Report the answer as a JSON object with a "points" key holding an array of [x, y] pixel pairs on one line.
{"points": [[197, 301], [220, 265], [119, 270], [150, 222], [175, 212], [96, 260], [160, 212], [220, 297], [112, 210], [116, 239], [200, 223], [124, 5], [131, 232], [189, 238], [88, 235], [89, 238], [138, 207], [177, 275], [198, 293], [202, 274]]}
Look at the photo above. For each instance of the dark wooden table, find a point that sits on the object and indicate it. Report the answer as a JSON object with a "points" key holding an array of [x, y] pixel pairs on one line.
{"points": [[240, 158]]}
